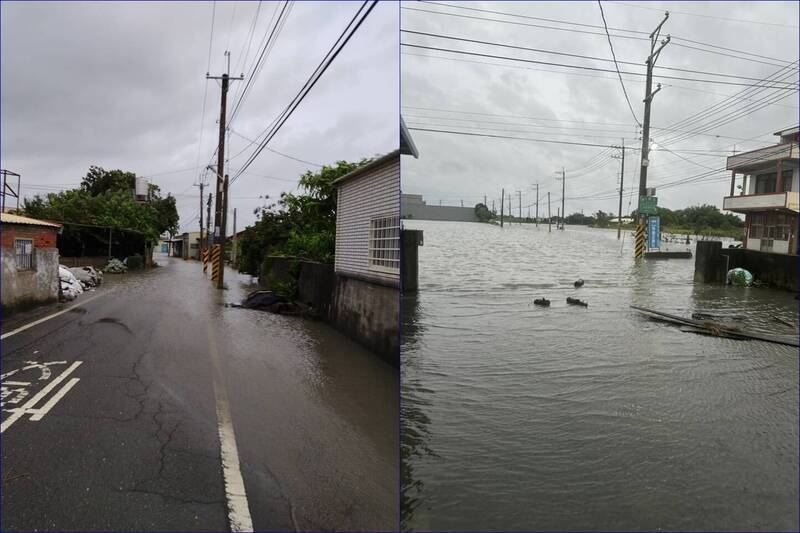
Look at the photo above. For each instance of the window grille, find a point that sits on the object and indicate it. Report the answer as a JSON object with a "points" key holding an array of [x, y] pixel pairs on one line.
{"points": [[23, 249], [384, 244]]}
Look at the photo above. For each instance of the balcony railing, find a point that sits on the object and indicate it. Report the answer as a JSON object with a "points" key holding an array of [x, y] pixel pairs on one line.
{"points": [[763, 202], [761, 158]]}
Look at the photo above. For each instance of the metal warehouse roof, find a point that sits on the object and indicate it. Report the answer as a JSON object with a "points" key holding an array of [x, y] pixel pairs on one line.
{"points": [[9, 218]]}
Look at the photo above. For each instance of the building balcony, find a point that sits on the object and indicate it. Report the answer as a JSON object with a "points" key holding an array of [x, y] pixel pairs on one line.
{"points": [[763, 202], [763, 158]]}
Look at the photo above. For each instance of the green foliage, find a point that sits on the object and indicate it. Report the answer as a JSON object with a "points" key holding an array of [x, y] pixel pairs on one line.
{"points": [[285, 291], [482, 213], [105, 198], [135, 262], [301, 225]]}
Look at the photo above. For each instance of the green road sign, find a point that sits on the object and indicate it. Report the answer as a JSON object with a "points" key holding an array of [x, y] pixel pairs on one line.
{"points": [[647, 205]]}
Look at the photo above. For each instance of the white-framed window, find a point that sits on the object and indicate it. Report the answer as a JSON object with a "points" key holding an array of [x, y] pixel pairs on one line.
{"points": [[384, 244], [23, 249]]}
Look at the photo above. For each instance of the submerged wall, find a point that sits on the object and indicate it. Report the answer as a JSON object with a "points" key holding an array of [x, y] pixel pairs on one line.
{"points": [[365, 310], [712, 263], [369, 314]]}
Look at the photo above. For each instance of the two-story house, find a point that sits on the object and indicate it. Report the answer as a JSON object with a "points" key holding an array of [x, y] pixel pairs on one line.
{"points": [[768, 194]]}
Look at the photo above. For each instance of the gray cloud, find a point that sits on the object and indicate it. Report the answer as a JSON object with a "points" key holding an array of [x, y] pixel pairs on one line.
{"points": [[452, 167], [121, 85]]}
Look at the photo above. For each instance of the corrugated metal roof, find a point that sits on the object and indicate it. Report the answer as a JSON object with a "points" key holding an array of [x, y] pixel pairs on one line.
{"points": [[9, 218]]}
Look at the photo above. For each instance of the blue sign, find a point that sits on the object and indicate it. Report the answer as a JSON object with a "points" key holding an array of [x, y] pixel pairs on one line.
{"points": [[653, 232]]}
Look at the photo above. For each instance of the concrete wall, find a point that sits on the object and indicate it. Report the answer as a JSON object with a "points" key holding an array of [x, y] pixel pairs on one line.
{"points": [[712, 263], [364, 310], [413, 207], [410, 241], [369, 314], [315, 288], [26, 288], [95, 261]]}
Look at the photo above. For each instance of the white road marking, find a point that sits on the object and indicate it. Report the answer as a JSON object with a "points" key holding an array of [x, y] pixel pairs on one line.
{"points": [[29, 406], [238, 508], [48, 317], [43, 410]]}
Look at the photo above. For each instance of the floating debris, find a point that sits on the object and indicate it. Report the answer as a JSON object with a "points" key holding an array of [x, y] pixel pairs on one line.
{"points": [[578, 283], [544, 302], [716, 329], [576, 301]]}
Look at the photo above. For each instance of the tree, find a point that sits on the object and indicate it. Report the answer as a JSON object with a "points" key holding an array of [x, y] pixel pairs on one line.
{"points": [[300, 225], [105, 198], [482, 213]]}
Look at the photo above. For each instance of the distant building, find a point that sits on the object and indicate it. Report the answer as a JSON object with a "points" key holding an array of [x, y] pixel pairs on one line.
{"points": [[186, 245], [30, 261], [367, 261], [769, 196], [413, 207]]}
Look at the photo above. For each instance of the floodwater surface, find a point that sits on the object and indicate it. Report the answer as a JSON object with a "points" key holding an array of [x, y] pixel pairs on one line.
{"points": [[519, 417]]}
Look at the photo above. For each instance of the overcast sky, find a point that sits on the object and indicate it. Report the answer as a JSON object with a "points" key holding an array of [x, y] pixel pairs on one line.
{"points": [[554, 103], [121, 85]]}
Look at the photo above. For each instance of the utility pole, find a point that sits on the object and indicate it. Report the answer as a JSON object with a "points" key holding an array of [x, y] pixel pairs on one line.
{"points": [[219, 214], [563, 193], [233, 246], [549, 216], [502, 203], [201, 185], [510, 213], [621, 184], [648, 99], [492, 206], [208, 224], [519, 196], [224, 221], [537, 205], [484, 200]]}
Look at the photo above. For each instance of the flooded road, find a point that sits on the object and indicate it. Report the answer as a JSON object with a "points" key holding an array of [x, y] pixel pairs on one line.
{"points": [[515, 416], [113, 418]]}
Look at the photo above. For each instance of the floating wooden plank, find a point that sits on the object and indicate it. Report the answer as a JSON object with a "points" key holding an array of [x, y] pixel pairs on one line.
{"points": [[719, 329]]}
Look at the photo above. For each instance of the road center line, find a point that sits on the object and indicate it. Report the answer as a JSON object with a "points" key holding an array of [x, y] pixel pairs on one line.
{"points": [[48, 317], [238, 508]]}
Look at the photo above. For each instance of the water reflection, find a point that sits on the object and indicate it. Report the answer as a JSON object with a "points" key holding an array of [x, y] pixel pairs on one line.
{"points": [[587, 418]]}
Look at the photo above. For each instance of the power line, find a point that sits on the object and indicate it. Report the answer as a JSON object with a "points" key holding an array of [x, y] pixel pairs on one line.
{"points": [[565, 73], [330, 56], [616, 66], [579, 56], [517, 23], [706, 16], [584, 67]]}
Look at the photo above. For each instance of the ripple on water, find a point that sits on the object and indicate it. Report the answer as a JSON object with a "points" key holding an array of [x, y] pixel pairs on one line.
{"points": [[520, 417]]}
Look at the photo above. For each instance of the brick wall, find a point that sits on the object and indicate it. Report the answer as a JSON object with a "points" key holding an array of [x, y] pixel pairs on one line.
{"points": [[43, 236]]}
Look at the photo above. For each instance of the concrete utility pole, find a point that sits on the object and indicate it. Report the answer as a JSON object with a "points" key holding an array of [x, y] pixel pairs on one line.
{"points": [[219, 214], [563, 193], [233, 247], [537, 205], [621, 183], [510, 214], [208, 223], [492, 206], [502, 203], [549, 216], [201, 185], [648, 99], [484, 200], [519, 196]]}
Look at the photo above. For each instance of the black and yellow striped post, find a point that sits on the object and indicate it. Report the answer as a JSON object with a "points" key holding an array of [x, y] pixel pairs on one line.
{"points": [[639, 245], [204, 255], [216, 261]]}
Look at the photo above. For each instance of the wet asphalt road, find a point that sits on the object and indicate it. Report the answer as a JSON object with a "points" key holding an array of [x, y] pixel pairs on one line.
{"points": [[133, 444]]}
